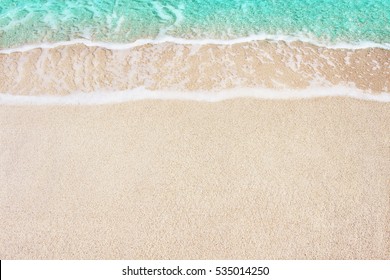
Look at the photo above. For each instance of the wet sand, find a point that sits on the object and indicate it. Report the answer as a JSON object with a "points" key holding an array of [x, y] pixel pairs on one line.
{"points": [[238, 179], [167, 66]]}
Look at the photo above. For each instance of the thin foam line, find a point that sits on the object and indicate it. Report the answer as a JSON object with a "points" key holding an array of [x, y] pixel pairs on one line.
{"points": [[168, 39], [98, 98]]}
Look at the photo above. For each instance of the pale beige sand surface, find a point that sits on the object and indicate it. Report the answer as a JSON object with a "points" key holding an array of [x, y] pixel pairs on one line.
{"points": [[266, 64], [244, 178]]}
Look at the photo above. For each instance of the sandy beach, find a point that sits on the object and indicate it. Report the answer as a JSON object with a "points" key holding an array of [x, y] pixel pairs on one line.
{"points": [[67, 69], [237, 179]]}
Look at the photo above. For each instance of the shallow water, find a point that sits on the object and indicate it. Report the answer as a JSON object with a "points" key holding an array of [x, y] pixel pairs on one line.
{"points": [[121, 21]]}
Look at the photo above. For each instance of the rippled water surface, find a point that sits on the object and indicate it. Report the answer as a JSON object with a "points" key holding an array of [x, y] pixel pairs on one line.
{"points": [[33, 21]]}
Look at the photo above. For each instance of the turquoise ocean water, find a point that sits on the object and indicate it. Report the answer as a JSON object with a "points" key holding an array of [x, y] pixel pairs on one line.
{"points": [[25, 22]]}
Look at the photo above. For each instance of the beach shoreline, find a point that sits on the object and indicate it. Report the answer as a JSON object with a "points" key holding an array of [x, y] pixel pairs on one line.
{"points": [[77, 68]]}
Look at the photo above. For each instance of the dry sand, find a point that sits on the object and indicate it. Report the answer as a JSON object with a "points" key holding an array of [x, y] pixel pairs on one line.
{"points": [[239, 179]]}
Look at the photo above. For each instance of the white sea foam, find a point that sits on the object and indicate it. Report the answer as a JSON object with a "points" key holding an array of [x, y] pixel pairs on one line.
{"points": [[170, 39], [114, 97]]}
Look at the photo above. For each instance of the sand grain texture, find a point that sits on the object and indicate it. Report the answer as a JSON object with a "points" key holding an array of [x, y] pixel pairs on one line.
{"points": [[239, 179]]}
